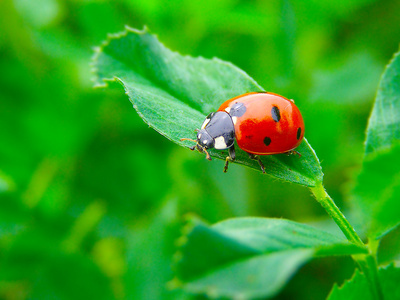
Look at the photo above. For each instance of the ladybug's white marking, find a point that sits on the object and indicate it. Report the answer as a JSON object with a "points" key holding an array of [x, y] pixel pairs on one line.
{"points": [[228, 109], [234, 120], [205, 142], [219, 143], [206, 121]]}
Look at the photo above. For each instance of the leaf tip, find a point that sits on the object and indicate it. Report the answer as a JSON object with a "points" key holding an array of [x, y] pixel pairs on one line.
{"points": [[100, 82]]}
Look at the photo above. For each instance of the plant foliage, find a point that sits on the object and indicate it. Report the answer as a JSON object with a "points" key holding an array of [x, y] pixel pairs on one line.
{"points": [[174, 94], [249, 258]]}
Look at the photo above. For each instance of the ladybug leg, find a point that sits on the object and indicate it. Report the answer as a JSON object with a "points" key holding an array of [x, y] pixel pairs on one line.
{"points": [[291, 152], [257, 158], [230, 158], [203, 150]]}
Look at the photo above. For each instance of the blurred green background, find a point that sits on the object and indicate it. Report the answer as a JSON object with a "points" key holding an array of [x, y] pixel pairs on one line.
{"points": [[91, 199]]}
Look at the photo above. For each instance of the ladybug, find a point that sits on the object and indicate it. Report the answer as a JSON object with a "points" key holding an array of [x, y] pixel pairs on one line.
{"points": [[262, 123]]}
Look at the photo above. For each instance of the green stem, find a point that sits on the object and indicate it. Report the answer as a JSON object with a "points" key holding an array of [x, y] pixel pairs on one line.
{"points": [[334, 212], [366, 262]]}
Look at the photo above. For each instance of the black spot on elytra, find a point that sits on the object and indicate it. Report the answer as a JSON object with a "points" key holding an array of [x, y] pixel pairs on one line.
{"points": [[275, 113], [298, 133], [237, 110], [267, 141]]}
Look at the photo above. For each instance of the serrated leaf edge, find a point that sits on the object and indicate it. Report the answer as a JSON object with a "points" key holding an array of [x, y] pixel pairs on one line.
{"points": [[112, 36], [347, 281]]}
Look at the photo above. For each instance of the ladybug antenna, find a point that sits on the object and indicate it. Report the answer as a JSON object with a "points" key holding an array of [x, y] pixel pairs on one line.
{"points": [[191, 148], [185, 139]]}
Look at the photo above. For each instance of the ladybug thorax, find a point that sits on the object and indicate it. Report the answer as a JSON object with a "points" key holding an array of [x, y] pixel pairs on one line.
{"points": [[217, 131]]}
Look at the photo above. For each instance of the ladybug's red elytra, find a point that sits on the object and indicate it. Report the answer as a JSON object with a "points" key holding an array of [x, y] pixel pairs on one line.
{"points": [[262, 123]]}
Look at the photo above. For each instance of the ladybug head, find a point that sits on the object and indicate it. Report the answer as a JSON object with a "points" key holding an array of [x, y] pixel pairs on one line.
{"points": [[217, 132], [204, 141]]}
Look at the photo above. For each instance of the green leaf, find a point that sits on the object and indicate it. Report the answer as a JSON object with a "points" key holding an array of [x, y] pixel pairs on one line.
{"points": [[376, 195], [250, 257], [174, 93], [384, 123], [357, 287], [352, 289], [377, 188]]}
